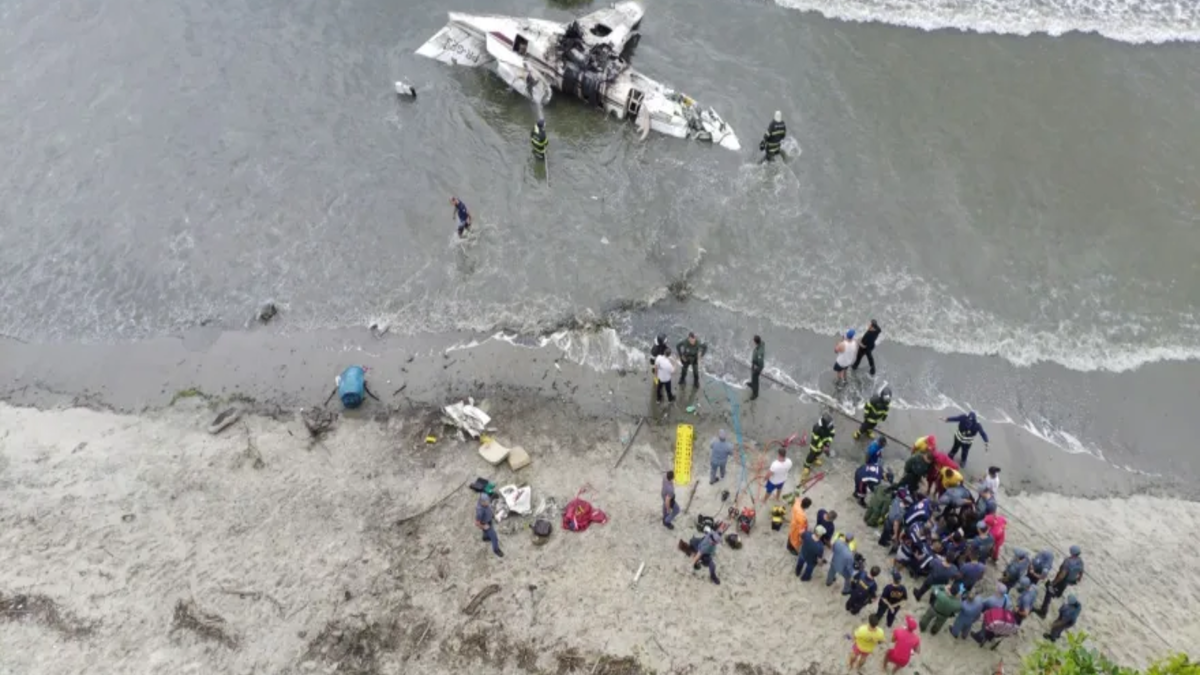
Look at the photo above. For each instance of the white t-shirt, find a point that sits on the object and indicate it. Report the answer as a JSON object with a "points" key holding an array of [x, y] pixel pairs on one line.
{"points": [[846, 357], [665, 369], [779, 470], [992, 482]]}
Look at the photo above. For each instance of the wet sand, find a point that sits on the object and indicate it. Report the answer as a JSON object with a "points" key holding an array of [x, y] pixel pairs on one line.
{"points": [[280, 373]]}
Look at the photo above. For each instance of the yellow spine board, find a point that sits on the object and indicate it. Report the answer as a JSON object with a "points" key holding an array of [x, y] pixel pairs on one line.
{"points": [[683, 454]]}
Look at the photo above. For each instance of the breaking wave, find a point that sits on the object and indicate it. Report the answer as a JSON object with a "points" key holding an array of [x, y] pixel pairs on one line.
{"points": [[603, 350], [1132, 21], [950, 328]]}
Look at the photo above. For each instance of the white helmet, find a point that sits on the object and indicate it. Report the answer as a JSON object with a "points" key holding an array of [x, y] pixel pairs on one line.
{"points": [[778, 116]]}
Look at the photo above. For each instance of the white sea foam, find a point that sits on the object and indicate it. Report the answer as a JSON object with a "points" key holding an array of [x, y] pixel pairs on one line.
{"points": [[604, 351], [950, 327], [1133, 21]]}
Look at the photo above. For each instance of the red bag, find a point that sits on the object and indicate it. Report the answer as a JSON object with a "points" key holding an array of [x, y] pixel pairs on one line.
{"points": [[579, 514], [1000, 622]]}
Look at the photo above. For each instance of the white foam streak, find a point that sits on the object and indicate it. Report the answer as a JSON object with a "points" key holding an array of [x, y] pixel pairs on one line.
{"points": [[1133, 21], [604, 351], [949, 328]]}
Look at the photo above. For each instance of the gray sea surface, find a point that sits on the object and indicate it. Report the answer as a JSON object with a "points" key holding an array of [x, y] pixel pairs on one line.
{"points": [[1019, 212]]}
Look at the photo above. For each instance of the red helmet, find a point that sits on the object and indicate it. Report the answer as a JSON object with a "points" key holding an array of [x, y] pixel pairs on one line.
{"points": [[931, 442]]}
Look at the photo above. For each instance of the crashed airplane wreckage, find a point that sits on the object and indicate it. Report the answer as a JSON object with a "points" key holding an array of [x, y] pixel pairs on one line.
{"points": [[586, 59]]}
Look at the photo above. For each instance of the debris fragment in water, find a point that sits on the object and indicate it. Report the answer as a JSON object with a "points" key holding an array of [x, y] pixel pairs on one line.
{"points": [[267, 311]]}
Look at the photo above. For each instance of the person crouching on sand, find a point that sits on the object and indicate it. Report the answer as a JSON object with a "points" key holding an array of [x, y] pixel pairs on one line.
{"points": [[905, 643], [866, 638]]}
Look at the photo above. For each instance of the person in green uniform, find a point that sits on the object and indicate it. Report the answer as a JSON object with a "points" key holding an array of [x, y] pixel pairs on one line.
{"points": [[875, 412], [878, 504], [690, 350], [756, 366], [537, 139], [915, 469], [942, 608]]}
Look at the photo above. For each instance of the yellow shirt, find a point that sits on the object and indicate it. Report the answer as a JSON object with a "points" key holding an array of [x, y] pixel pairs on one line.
{"points": [[867, 638]]}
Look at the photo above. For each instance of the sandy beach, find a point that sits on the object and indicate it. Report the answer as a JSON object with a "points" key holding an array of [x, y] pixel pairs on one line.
{"points": [[139, 543]]}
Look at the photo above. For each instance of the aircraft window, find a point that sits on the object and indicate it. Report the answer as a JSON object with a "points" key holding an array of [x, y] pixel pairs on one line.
{"points": [[600, 30]]}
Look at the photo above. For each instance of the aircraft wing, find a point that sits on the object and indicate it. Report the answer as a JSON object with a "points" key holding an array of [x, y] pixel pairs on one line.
{"points": [[457, 47]]}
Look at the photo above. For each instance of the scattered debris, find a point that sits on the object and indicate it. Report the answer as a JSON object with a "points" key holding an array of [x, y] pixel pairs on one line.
{"points": [[518, 459], [267, 311], [404, 89], [207, 626], [425, 627], [43, 610], [379, 328], [353, 648], [128, 518], [251, 454], [254, 595], [473, 606], [569, 661], [493, 453], [317, 420], [579, 514], [79, 447], [691, 495], [432, 506], [350, 387], [225, 420], [518, 499], [402, 388], [527, 659], [638, 575], [466, 417], [629, 443], [541, 529]]}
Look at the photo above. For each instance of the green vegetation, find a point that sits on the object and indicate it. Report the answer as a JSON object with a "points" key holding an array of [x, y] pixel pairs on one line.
{"points": [[190, 392], [1076, 657]]}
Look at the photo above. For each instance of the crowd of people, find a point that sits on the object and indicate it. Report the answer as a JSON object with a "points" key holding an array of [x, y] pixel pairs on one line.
{"points": [[935, 530]]}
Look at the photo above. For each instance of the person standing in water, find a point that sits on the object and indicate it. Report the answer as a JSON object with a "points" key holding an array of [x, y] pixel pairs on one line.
{"points": [[866, 346], [690, 352], [538, 140], [846, 351], [463, 216], [772, 141], [664, 372], [756, 366]]}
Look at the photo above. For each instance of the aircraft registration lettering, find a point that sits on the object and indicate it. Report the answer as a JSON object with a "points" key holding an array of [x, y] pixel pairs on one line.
{"points": [[457, 47]]}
